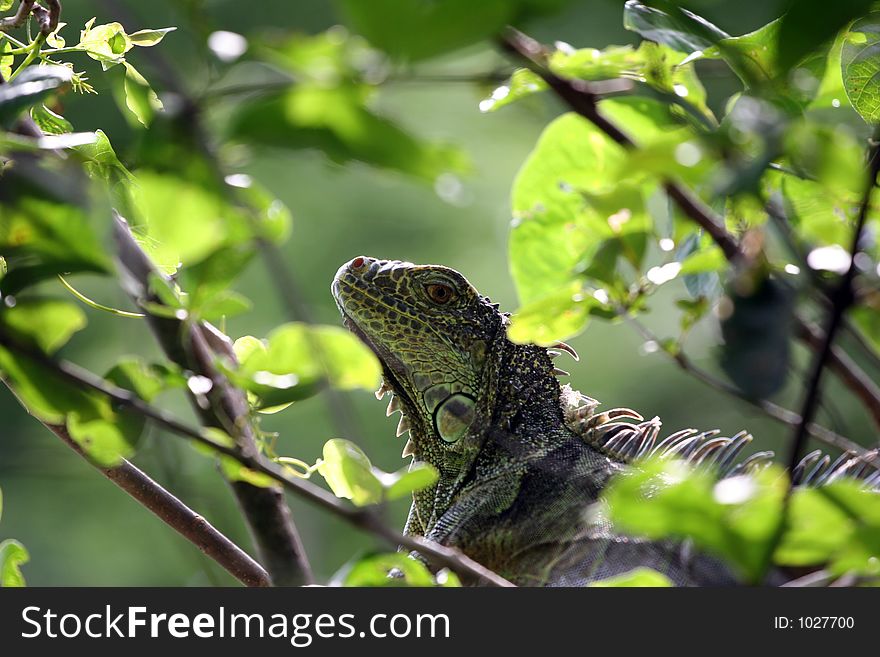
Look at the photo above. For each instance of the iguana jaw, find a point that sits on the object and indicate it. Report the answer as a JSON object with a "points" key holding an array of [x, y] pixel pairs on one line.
{"points": [[432, 352]]}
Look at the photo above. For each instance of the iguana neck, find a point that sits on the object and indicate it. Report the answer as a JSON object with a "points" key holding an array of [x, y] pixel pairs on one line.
{"points": [[519, 420]]}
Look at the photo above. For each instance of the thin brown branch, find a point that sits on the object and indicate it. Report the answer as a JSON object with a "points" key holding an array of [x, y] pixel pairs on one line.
{"points": [[25, 8], [46, 17], [174, 513], [583, 99], [365, 518]]}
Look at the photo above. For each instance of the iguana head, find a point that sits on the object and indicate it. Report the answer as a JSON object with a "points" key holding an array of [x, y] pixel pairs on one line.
{"points": [[433, 333]]}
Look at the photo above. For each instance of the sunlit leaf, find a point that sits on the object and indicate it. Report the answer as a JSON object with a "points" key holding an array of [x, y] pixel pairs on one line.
{"points": [[861, 67], [146, 38], [104, 435], [337, 121], [13, 556], [638, 577], [555, 317], [409, 480], [390, 569], [48, 323], [297, 358], [50, 122], [567, 200], [40, 238], [667, 499], [349, 473], [422, 29]]}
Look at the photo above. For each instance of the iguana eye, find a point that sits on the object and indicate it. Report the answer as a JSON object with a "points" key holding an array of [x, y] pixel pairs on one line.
{"points": [[439, 293]]}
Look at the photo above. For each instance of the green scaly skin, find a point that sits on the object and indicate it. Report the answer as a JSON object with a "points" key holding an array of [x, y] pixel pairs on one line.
{"points": [[517, 486]]}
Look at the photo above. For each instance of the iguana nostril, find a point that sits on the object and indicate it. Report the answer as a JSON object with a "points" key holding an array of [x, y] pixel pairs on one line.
{"points": [[357, 263]]}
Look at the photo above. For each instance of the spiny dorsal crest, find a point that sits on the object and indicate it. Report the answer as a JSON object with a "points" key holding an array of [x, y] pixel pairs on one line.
{"points": [[624, 435]]}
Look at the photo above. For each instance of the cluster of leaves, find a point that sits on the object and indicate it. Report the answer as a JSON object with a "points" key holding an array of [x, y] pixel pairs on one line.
{"points": [[593, 233], [738, 519]]}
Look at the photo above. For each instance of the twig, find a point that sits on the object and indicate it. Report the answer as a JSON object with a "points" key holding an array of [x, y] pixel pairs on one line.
{"points": [[174, 513], [12, 22], [774, 411], [841, 300], [581, 98], [363, 518]]}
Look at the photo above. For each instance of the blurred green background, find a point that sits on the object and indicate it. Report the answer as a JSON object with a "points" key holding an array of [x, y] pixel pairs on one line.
{"points": [[81, 530]]}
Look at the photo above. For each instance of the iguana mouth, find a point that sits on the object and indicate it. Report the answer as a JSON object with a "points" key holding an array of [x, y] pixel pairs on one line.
{"points": [[386, 359]]}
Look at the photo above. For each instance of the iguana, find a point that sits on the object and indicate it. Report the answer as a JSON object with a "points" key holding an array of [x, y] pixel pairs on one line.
{"points": [[521, 458]]}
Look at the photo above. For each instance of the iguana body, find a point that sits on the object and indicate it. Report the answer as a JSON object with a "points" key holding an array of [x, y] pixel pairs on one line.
{"points": [[522, 459]]}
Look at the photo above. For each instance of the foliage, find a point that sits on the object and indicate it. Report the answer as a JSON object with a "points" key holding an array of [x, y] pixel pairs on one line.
{"points": [[594, 234]]}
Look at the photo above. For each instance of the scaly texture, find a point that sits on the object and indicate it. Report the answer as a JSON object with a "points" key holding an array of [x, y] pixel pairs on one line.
{"points": [[522, 459]]}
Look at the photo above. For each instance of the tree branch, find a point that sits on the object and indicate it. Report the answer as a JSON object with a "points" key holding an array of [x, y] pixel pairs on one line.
{"points": [[176, 515], [365, 518], [582, 98]]}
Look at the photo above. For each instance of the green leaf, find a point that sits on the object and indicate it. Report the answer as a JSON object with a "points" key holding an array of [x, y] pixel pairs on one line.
{"points": [[13, 555], [681, 30], [821, 216], [337, 121], [147, 38], [349, 473], [6, 5], [48, 323], [179, 221], [806, 26], [735, 519], [374, 570], [106, 43], [30, 87], [133, 92], [41, 238], [297, 358], [567, 200], [106, 440], [105, 435], [406, 481], [639, 577], [146, 380], [861, 66], [553, 318], [213, 276], [415, 29], [837, 525], [6, 61], [224, 304], [50, 122]]}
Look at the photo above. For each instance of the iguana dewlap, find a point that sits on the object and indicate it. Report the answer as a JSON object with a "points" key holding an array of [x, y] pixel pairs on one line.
{"points": [[522, 459]]}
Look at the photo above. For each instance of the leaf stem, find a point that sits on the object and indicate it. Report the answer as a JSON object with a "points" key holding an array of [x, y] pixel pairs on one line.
{"points": [[33, 53], [94, 304]]}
